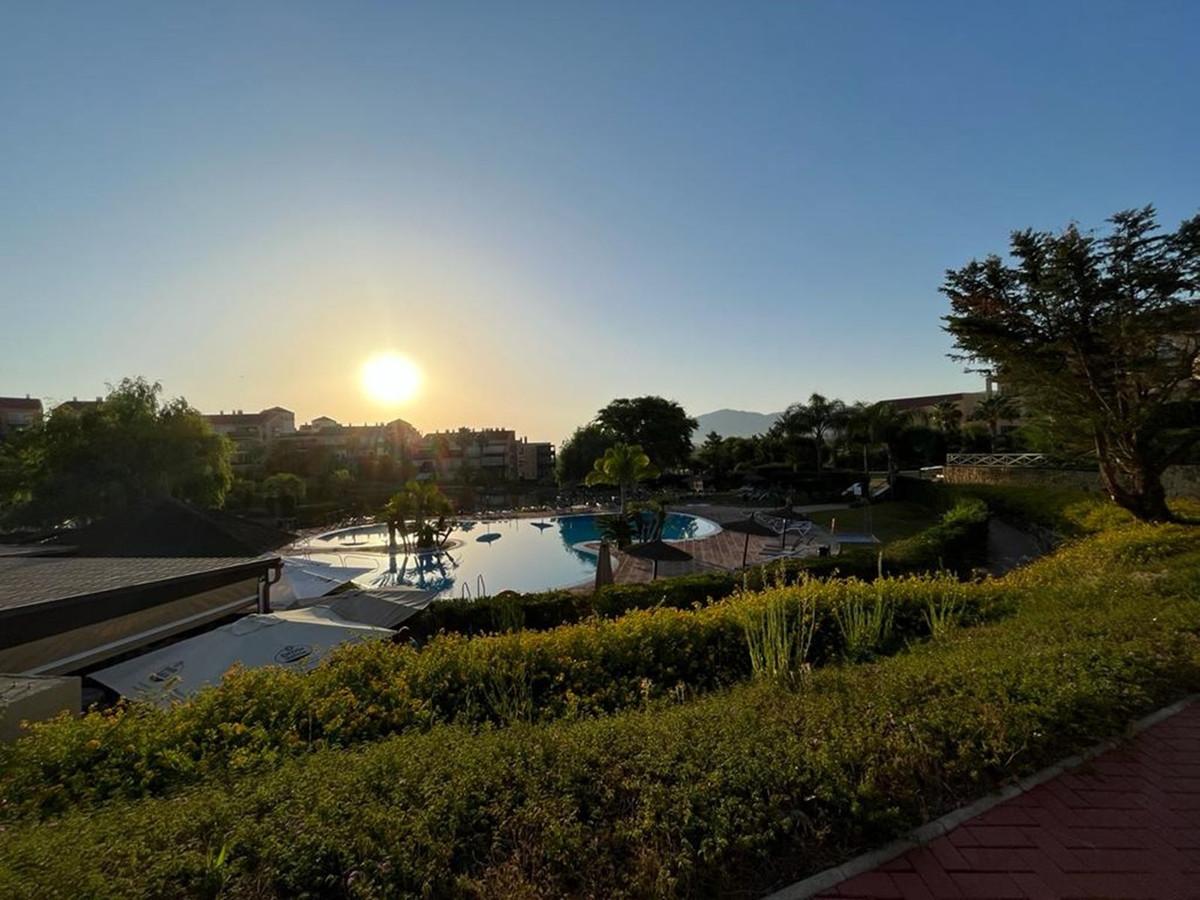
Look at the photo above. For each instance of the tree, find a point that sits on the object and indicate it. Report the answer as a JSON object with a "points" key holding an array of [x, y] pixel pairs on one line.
{"points": [[1100, 335], [623, 465], [284, 491], [580, 451], [713, 455], [421, 510], [993, 410], [127, 449], [661, 427], [947, 417], [876, 425], [818, 418]]}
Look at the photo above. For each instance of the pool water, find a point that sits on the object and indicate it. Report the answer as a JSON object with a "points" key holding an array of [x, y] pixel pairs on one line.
{"points": [[507, 554]]}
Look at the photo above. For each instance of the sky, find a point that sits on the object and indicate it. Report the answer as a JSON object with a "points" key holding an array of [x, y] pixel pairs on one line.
{"points": [[549, 205]]}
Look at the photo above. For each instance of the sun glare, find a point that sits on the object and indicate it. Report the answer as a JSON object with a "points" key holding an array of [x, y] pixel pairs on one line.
{"points": [[390, 378]]}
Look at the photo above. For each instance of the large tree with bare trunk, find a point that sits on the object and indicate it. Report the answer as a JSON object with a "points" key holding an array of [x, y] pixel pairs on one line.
{"points": [[1100, 335]]}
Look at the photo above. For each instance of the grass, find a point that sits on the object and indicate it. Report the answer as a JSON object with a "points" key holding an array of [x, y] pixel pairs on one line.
{"points": [[887, 521]]}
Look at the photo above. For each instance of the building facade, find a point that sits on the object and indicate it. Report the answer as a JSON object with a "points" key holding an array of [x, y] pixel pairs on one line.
{"points": [[252, 433], [18, 413], [496, 454]]}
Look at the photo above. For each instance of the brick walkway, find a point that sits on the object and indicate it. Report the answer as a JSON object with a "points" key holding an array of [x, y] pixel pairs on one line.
{"points": [[721, 551], [1124, 825]]}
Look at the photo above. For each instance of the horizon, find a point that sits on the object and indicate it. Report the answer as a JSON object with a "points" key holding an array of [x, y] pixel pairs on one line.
{"points": [[547, 209]]}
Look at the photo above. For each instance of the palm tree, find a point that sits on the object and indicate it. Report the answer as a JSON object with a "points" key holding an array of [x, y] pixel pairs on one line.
{"points": [[877, 424], [993, 410], [819, 417], [947, 416], [623, 465], [411, 510]]}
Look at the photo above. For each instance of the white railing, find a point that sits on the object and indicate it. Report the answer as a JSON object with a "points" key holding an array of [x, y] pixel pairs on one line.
{"points": [[1006, 460]]}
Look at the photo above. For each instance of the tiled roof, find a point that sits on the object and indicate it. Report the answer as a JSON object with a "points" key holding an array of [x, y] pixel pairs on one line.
{"points": [[29, 580], [20, 403]]}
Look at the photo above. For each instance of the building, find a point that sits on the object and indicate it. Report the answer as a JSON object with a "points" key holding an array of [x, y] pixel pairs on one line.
{"points": [[18, 413], [102, 591], [346, 443], [924, 406], [252, 433], [535, 460], [497, 453]]}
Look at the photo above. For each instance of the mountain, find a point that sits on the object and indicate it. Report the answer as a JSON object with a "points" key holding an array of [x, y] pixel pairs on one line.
{"points": [[734, 423]]}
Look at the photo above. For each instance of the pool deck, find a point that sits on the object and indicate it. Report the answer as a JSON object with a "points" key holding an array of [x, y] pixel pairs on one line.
{"points": [[721, 552]]}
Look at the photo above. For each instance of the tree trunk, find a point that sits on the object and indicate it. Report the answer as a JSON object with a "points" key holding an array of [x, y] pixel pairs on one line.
{"points": [[1136, 486]]}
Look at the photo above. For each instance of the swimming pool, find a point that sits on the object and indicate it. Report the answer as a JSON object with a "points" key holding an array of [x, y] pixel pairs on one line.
{"points": [[487, 556]]}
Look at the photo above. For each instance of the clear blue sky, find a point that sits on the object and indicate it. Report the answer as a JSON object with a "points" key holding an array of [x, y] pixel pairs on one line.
{"points": [[549, 205]]}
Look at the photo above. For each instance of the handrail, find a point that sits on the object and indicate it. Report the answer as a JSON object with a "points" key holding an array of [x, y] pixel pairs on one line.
{"points": [[465, 593], [480, 586], [1009, 460]]}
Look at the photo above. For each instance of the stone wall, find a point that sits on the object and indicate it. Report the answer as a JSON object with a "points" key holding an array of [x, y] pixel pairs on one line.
{"points": [[1180, 481]]}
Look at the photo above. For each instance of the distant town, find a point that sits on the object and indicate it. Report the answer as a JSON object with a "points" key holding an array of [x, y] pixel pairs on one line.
{"points": [[496, 452]]}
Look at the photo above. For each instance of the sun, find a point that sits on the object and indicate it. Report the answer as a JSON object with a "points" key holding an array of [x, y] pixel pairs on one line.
{"points": [[390, 378]]}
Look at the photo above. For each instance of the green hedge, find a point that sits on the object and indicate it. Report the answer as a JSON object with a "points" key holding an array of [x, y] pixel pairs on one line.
{"points": [[958, 542], [739, 791], [368, 691]]}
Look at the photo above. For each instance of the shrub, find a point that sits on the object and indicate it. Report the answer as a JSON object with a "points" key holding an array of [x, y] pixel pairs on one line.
{"points": [[738, 791], [958, 543], [365, 692], [779, 643], [865, 623]]}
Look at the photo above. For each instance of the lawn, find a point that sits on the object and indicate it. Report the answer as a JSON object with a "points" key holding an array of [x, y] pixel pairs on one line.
{"points": [[887, 521]]}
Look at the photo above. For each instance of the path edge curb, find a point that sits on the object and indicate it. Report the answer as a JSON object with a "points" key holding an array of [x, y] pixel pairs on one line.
{"points": [[872, 859]]}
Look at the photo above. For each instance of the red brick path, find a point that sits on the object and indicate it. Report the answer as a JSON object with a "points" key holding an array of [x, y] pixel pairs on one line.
{"points": [[1124, 825]]}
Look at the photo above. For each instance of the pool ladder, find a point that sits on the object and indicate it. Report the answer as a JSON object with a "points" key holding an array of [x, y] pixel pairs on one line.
{"points": [[480, 589]]}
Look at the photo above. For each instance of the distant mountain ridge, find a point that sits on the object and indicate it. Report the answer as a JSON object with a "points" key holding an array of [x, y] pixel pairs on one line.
{"points": [[734, 423]]}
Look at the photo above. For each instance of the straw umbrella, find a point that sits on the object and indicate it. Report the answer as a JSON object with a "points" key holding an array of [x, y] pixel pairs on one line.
{"points": [[749, 526], [658, 551], [604, 570]]}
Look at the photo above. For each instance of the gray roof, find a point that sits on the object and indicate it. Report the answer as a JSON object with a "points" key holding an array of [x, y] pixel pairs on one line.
{"points": [[28, 580]]}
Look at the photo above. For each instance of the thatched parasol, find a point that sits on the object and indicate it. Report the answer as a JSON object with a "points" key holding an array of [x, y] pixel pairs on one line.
{"points": [[658, 551], [749, 526]]}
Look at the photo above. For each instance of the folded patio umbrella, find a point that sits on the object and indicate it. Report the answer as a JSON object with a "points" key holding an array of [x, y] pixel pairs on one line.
{"points": [[604, 569], [658, 551], [749, 526]]}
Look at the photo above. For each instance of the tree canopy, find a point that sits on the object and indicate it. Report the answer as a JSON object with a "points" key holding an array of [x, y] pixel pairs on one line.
{"points": [[661, 427], [580, 450], [1099, 335], [816, 419], [88, 461], [623, 465]]}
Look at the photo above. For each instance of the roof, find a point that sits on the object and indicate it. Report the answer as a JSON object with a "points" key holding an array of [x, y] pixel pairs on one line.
{"points": [[170, 528], [20, 403], [921, 402], [30, 580], [234, 418]]}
